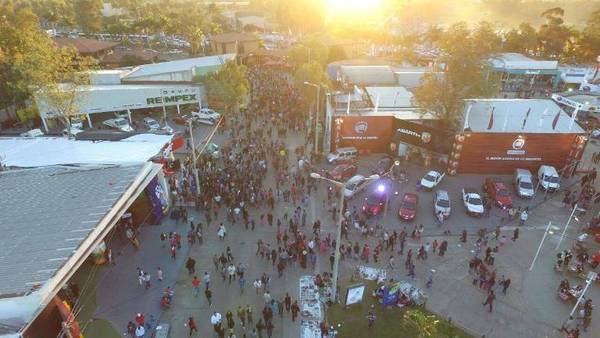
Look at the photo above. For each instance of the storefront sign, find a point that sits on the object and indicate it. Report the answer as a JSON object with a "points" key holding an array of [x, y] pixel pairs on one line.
{"points": [[172, 99], [158, 199], [436, 140], [370, 133]]}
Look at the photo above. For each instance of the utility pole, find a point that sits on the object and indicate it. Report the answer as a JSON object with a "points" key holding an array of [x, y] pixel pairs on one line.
{"points": [[575, 208], [591, 277], [194, 157], [540, 247], [318, 86]]}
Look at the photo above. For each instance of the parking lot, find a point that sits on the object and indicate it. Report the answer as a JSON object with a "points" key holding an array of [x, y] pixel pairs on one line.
{"points": [[458, 220]]}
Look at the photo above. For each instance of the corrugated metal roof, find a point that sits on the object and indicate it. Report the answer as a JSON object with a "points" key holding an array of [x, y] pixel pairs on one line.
{"points": [[46, 213], [510, 116], [178, 65], [368, 75]]}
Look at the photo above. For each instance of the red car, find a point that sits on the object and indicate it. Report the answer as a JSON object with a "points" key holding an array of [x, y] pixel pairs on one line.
{"points": [[498, 191], [374, 204], [408, 207], [342, 172]]}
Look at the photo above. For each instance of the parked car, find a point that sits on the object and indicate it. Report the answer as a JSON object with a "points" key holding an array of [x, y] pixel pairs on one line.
{"points": [[206, 116], [32, 133], [431, 179], [374, 203], [354, 185], [383, 166], [408, 207], [441, 203], [77, 123], [548, 177], [498, 191], [523, 182], [211, 113], [151, 123], [342, 172], [118, 123], [72, 131], [473, 202], [342, 155]]}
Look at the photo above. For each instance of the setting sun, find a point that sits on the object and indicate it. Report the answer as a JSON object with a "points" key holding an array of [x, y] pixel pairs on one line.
{"points": [[352, 8]]}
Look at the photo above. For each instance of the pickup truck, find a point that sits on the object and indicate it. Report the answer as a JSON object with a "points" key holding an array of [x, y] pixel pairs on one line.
{"points": [[473, 202], [118, 123]]}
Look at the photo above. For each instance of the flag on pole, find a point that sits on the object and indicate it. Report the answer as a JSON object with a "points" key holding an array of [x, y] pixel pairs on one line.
{"points": [[505, 118], [377, 103], [525, 120], [555, 121], [348, 108], [542, 118], [491, 122], [466, 124], [574, 116]]}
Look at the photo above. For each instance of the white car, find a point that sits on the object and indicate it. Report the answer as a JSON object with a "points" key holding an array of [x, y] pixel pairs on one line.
{"points": [[206, 116], [118, 123], [151, 123], [355, 184], [76, 123], [32, 133], [441, 203], [431, 179], [72, 131], [473, 202]]}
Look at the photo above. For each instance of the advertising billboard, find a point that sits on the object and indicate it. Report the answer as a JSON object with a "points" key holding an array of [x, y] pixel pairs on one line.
{"points": [[426, 137], [355, 294], [366, 133]]}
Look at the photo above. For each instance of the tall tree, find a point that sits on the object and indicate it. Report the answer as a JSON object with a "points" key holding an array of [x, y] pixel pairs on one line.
{"points": [[87, 15], [522, 40], [588, 48], [227, 87], [309, 50], [467, 75], [553, 35]]}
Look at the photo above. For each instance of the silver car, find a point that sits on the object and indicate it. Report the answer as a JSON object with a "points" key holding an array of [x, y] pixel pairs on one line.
{"points": [[441, 203], [355, 184]]}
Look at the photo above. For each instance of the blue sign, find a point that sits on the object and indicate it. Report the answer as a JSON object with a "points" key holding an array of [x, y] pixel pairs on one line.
{"points": [[158, 199]]}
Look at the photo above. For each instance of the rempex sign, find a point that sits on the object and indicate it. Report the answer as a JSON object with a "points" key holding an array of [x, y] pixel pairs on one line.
{"points": [[172, 99]]}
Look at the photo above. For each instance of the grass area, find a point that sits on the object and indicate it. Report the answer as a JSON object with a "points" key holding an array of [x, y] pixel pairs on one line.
{"points": [[390, 322], [92, 328]]}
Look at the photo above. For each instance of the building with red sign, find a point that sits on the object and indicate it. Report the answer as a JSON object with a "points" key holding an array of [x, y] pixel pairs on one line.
{"points": [[500, 135]]}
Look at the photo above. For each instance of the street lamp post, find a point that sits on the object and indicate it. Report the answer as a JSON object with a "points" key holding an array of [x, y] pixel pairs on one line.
{"points": [[194, 156], [540, 247], [575, 208], [591, 277], [338, 233], [387, 197], [317, 112]]}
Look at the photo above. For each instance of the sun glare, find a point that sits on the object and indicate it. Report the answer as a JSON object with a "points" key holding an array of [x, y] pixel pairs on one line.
{"points": [[352, 8]]}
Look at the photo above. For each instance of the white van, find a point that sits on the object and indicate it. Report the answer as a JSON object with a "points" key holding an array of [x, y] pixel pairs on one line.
{"points": [[342, 155], [548, 178], [523, 182]]}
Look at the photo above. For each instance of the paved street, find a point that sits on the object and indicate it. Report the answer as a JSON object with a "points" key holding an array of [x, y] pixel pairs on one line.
{"points": [[531, 308]]}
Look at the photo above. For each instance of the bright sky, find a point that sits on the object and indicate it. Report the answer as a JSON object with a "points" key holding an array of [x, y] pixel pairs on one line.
{"points": [[352, 9]]}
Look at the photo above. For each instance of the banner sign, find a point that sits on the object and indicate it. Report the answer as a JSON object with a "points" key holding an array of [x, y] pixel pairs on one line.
{"points": [[391, 294], [158, 199], [416, 134]]}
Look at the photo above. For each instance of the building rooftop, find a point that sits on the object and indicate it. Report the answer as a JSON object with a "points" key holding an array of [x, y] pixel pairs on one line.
{"points": [[510, 116], [368, 75], [516, 61], [85, 46], [28, 152], [46, 214], [391, 97], [178, 65]]}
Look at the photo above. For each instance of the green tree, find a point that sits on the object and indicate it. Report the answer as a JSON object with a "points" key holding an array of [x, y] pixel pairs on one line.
{"points": [[486, 38], [589, 42], [87, 15], [227, 87], [309, 50], [310, 72], [426, 325], [467, 75], [553, 35], [522, 40]]}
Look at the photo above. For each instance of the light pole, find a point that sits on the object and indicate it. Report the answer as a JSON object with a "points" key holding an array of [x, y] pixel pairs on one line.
{"points": [[194, 156], [316, 113], [591, 277], [338, 232], [575, 208], [387, 197], [540, 247]]}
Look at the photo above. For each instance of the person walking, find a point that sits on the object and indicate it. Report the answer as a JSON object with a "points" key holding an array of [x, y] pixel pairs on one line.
{"points": [[230, 322], [287, 300], [190, 265], [371, 319], [505, 285], [208, 295], [206, 280], [196, 286], [490, 299], [159, 274], [515, 234], [241, 313], [295, 310], [192, 325]]}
